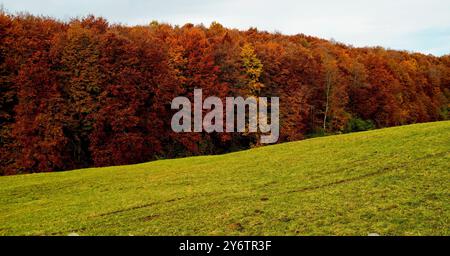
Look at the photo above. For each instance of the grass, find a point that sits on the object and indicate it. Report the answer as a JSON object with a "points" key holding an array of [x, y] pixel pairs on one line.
{"points": [[392, 182]]}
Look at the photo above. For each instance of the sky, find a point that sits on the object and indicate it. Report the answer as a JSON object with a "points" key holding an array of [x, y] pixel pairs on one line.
{"points": [[413, 25]]}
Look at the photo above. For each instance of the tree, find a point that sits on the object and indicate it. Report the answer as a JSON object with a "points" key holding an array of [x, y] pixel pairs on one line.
{"points": [[39, 126], [78, 54], [252, 68], [331, 74]]}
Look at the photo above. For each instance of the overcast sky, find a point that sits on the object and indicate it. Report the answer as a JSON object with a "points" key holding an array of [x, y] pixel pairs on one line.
{"points": [[415, 25]]}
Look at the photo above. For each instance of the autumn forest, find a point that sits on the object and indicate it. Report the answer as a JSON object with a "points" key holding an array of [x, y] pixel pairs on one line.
{"points": [[88, 93]]}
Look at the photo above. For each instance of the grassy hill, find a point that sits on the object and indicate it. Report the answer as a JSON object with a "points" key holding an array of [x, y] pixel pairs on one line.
{"points": [[392, 181]]}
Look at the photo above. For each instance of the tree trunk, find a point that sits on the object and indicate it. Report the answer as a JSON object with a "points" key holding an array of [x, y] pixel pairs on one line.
{"points": [[327, 101]]}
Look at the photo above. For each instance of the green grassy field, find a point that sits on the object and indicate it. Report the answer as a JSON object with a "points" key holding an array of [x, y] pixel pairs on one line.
{"points": [[392, 182]]}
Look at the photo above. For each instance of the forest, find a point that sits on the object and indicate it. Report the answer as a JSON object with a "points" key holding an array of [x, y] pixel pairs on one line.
{"points": [[87, 93]]}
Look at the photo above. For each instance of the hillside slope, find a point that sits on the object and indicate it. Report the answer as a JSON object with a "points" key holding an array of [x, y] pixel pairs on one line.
{"points": [[393, 182]]}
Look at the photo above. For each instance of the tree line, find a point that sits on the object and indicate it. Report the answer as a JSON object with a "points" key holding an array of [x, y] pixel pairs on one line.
{"points": [[88, 93]]}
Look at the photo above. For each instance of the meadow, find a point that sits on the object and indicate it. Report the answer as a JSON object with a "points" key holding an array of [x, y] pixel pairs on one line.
{"points": [[393, 181]]}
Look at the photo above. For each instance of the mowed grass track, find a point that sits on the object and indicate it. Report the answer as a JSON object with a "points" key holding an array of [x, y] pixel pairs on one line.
{"points": [[392, 182]]}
